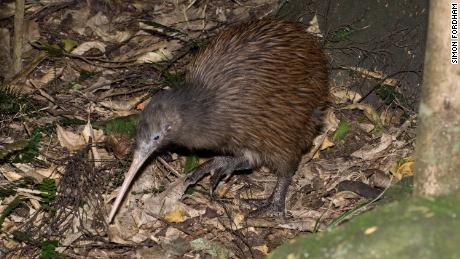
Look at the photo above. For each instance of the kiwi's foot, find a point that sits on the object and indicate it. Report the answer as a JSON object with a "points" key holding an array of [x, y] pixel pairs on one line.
{"points": [[222, 166], [268, 209]]}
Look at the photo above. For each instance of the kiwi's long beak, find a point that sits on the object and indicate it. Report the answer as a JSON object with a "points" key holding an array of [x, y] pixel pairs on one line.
{"points": [[138, 160]]}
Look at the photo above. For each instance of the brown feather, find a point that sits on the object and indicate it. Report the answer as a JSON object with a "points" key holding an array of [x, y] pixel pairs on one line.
{"points": [[267, 78], [253, 93]]}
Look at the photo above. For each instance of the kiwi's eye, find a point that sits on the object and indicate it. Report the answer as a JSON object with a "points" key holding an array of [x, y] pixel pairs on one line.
{"points": [[156, 137]]}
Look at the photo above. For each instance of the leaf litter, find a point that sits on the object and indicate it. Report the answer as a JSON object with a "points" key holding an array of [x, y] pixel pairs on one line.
{"points": [[92, 73]]}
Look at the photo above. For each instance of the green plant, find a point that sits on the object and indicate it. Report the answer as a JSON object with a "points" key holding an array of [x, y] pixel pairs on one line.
{"points": [[84, 74], [70, 122], [30, 151], [21, 236], [347, 215], [164, 28], [68, 44], [341, 131], [12, 102], [343, 33], [53, 50], [11, 148], [7, 211], [389, 94], [56, 50], [125, 125], [174, 80], [191, 163], [48, 250], [48, 191]]}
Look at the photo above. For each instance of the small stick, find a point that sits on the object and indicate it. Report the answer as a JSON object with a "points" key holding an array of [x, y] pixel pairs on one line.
{"points": [[18, 39], [170, 168]]}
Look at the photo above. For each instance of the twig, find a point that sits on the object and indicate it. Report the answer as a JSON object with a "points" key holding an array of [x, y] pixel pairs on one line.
{"points": [[170, 168], [26, 114], [127, 92], [178, 227], [28, 191], [31, 66], [88, 59], [204, 17], [191, 4], [49, 9], [358, 209], [18, 39], [43, 93], [381, 81], [121, 64]]}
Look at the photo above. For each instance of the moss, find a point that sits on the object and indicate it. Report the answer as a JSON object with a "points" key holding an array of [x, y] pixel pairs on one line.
{"points": [[413, 228], [125, 125]]}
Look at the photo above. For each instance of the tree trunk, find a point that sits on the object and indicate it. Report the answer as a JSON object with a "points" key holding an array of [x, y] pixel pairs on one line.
{"points": [[437, 169]]}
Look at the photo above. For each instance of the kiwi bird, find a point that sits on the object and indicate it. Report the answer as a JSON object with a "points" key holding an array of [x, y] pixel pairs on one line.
{"points": [[252, 95]]}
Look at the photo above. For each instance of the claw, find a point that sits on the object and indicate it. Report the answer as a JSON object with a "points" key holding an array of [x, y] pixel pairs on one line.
{"points": [[275, 204], [196, 174], [268, 210], [222, 166], [219, 175]]}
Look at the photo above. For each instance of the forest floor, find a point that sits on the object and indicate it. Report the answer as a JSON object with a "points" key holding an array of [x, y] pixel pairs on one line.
{"points": [[67, 123]]}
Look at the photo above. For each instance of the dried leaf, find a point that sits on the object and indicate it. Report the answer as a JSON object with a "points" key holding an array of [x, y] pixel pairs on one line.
{"points": [[314, 26], [367, 127], [10, 175], [166, 201], [343, 95], [370, 230], [119, 144], [343, 199], [374, 74], [390, 117], [155, 56], [47, 172], [330, 121], [215, 249], [369, 152], [74, 142], [380, 179], [13, 147], [369, 112], [28, 170], [86, 46], [300, 225], [403, 168], [95, 135], [176, 216], [122, 105], [69, 44], [262, 248], [142, 105], [49, 74], [100, 24], [69, 140], [327, 143], [238, 219]]}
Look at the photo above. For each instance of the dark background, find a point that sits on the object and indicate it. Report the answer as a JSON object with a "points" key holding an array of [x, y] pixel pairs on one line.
{"points": [[387, 36]]}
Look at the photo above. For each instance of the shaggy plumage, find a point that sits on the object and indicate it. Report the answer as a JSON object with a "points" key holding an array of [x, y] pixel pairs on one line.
{"points": [[252, 95]]}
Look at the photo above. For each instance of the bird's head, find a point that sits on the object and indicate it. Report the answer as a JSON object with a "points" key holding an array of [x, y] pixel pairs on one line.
{"points": [[159, 122]]}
